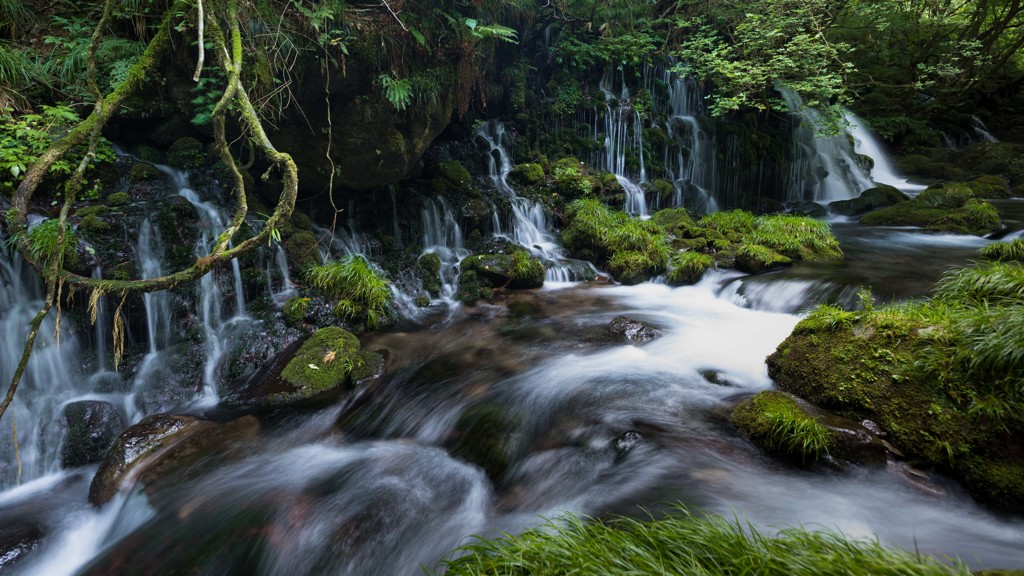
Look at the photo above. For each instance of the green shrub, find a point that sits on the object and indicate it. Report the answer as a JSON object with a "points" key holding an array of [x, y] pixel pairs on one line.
{"points": [[362, 294], [688, 267], [1005, 251], [685, 543], [42, 243]]}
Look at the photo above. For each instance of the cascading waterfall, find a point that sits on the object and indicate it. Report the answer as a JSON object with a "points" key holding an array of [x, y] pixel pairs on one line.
{"points": [[865, 144], [623, 132], [529, 223], [824, 168], [692, 167], [981, 130], [215, 325], [51, 378], [277, 267], [153, 369], [442, 235]]}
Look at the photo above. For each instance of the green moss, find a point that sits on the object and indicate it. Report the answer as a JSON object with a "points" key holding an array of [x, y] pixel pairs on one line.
{"points": [[323, 363], [118, 199], [469, 287], [430, 265], [454, 173], [989, 186], [302, 250], [675, 221], [99, 211], [421, 301], [91, 225], [527, 174], [570, 180], [776, 422], [948, 208], [871, 199], [754, 258], [142, 172], [295, 310], [688, 267], [796, 237], [186, 152], [517, 270], [663, 189]]}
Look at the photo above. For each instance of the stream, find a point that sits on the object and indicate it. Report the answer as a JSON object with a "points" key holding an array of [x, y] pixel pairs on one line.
{"points": [[595, 426]]}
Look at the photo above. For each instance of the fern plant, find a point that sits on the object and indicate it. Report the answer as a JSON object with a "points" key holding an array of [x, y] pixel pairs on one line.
{"points": [[397, 91]]}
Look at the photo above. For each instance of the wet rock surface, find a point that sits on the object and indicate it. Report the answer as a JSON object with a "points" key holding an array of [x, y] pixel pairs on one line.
{"points": [[18, 539], [92, 426], [631, 330]]}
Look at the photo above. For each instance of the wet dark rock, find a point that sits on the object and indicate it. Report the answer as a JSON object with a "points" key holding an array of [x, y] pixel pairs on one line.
{"points": [[630, 330], [881, 196], [482, 436], [256, 345], [92, 426], [810, 209], [18, 539], [516, 270], [626, 441], [163, 450]]}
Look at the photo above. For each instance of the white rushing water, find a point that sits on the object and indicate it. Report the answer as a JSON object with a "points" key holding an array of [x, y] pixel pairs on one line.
{"points": [[623, 133], [692, 168], [882, 171]]}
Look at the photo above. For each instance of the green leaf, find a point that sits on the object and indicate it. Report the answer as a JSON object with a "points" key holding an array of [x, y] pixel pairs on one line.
{"points": [[471, 23]]}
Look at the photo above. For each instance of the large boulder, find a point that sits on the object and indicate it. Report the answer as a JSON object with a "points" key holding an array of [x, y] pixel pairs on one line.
{"points": [[943, 208], [880, 196], [164, 449], [92, 426]]}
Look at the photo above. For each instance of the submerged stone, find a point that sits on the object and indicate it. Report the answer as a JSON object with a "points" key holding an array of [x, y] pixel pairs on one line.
{"points": [[630, 330]]}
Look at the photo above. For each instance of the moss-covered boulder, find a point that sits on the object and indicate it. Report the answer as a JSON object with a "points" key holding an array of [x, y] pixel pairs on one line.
{"points": [[989, 187], [880, 196], [316, 371], [430, 273], [302, 250], [942, 207], [517, 270], [186, 153], [675, 221], [938, 375], [143, 171], [527, 174], [795, 237], [631, 249]]}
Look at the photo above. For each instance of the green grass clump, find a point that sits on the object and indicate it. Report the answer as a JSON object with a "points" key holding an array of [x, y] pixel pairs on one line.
{"points": [[362, 293], [827, 317], [685, 543], [796, 237], [42, 243], [632, 249], [687, 267], [1005, 251], [734, 224], [754, 258], [776, 422], [527, 174]]}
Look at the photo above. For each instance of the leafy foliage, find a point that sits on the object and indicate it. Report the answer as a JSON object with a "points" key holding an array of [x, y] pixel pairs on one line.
{"points": [[1005, 251], [397, 91], [684, 543], [362, 293]]}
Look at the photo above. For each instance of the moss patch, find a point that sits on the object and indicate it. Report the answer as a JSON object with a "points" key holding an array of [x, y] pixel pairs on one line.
{"points": [[777, 422], [688, 267], [943, 207], [323, 364]]}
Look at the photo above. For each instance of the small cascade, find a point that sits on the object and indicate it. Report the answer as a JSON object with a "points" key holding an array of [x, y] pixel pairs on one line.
{"points": [[529, 223], [211, 308], [101, 329], [277, 267], [692, 168], [51, 378], [865, 144], [153, 368], [442, 235], [824, 168], [623, 132], [981, 130]]}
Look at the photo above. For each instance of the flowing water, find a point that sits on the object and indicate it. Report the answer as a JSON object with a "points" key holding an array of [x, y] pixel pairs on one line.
{"points": [[882, 170]]}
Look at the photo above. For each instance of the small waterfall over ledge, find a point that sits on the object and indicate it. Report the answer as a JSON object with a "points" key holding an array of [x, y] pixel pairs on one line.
{"points": [[623, 132], [865, 144], [529, 223]]}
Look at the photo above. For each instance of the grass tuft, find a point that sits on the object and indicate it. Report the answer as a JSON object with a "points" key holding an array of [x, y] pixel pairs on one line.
{"points": [[362, 293]]}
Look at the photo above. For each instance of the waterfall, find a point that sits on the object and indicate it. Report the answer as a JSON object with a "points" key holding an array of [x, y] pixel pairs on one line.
{"points": [[153, 368], [692, 169], [865, 144], [215, 324], [623, 132], [824, 168], [277, 266], [51, 378], [442, 235], [529, 223], [981, 130]]}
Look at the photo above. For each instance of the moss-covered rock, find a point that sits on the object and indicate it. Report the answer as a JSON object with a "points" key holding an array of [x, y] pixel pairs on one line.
{"points": [[796, 237], [782, 425], [675, 221], [880, 196], [943, 207], [482, 436], [430, 273], [527, 174], [186, 152], [118, 199], [517, 270], [302, 250], [989, 187], [143, 172], [454, 173], [631, 249]]}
